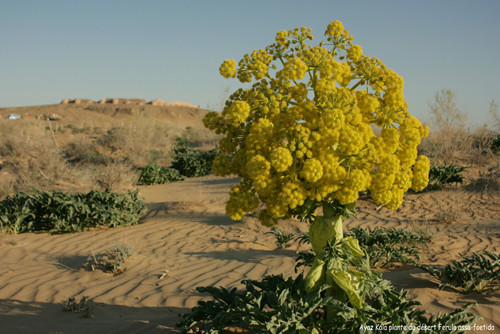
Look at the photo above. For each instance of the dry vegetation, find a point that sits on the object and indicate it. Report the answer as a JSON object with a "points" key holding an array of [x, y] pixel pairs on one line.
{"points": [[451, 141], [91, 146]]}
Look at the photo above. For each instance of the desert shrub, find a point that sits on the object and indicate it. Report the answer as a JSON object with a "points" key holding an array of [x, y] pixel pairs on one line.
{"points": [[117, 175], [76, 130], [495, 144], [121, 142], [58, 212], [154, 174], [112, 138], [447, 117], [475, 273], [93, 158], [82, 152], [85, 306], [192, 162], [449, 137], [439, 175], [30, 153], [112, 260]]}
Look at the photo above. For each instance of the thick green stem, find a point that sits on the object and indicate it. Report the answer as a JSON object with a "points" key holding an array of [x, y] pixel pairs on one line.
{"points": [[333, 219], [328, 229]]}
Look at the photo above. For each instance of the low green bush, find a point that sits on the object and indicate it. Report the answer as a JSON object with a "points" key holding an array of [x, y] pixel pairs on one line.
{"points": [[476, 273], [59, 212], [279, 305], [389, 245], [192, 162], [439, 175], [154, 174], [383, 246]]}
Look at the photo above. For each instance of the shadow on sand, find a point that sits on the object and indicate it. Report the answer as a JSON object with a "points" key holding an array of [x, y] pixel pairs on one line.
{"points": [[36, 317]]}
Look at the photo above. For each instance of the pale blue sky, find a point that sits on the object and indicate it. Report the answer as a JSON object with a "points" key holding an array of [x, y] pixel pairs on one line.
{"points": [[172, 49]]}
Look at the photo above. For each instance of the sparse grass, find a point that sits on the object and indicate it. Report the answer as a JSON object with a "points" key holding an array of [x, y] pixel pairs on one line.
{"points": [[116, 175], [112, 260], [91, 148], [7, 238], [85, 306], [452, 142], [447, 216]]}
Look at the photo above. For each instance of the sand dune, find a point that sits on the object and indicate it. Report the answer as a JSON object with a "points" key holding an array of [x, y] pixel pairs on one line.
{"points": [[186, 241]]}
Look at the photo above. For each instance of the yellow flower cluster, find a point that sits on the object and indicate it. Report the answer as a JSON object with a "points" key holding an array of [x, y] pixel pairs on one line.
{"points": [[335, 29], [421, 173], [241, 200], [281, 159], [294, 69], [237, 112], [327, 123], [228, 68]]}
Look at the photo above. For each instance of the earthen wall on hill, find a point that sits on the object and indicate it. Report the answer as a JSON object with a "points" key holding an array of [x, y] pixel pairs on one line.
{"points": [[105, 101]]}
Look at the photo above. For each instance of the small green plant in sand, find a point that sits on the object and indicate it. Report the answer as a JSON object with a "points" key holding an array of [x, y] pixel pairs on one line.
{"points": [[439, 175], [85, 306], [282, 238], [59, 212], [384, 246], [152, 174], [111, 261], [476, 273]]}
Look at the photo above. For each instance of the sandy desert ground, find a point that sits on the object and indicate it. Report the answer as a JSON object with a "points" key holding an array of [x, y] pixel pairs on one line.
{"points": [[186, 235], [185, 240]]}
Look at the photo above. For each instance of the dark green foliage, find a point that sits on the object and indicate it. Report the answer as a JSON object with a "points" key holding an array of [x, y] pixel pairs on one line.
{"points": [[495, 144], [282, 238], [192, 162], [382, 245], [93, 159], [58, 212], [154, 174], [476, 273], [279, 305], [442, 174], [282, 305], [388, 245]]}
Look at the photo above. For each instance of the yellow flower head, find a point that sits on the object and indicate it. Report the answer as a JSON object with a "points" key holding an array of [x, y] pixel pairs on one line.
{"points": [[326, 123]]}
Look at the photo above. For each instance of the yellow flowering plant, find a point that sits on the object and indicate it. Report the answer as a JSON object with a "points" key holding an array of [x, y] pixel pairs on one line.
{"points": [[317, 125]]}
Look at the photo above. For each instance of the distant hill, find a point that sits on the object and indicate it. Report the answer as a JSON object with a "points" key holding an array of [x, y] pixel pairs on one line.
{"points": [[176, 112]]}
